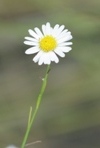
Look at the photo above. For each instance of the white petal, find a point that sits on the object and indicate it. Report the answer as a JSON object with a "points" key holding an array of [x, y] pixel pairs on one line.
{"points": [[30, 43], [65, 44], [53, 57], [37, 57], [64, 31], [32, 50], [58, 32], [38, 32], [32, 33], [56, 27], [62, 35], [44, 59], [30, 39], [67, 38], [55, 30], [44, 29], [61, 28], [47, 59], [64, 49], [59, 52], [41, 60], [11, 146], [48, 28]]}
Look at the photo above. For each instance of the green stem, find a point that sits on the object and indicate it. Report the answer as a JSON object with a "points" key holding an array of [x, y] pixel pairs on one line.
{"points": [[36, 108]]}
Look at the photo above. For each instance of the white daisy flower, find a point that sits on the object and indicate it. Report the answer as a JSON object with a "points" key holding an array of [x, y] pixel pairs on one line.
{"points": [[48, 43]]}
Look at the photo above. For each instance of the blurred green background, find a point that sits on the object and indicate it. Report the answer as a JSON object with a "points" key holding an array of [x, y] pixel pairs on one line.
{"points": [[69, 116]]}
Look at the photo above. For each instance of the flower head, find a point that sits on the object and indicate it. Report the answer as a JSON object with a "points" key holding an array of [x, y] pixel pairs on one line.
{"points": [[48, 43]]}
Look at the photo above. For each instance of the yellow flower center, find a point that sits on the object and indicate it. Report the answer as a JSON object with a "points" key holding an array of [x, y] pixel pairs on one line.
{"points": [[47, 43]]}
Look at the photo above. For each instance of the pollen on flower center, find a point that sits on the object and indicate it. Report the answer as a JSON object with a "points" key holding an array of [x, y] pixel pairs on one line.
{"points": [[47, 43]]}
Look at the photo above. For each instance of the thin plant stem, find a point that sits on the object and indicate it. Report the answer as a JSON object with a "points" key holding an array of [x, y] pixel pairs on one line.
{"points": [[28, 144], [33, 115]]}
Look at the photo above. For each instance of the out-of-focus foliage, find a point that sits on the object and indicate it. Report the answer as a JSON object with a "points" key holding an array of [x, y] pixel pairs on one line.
{"points": [[71, 104]]}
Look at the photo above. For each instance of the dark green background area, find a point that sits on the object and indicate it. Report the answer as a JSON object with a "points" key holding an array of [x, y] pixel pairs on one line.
{"points": [[69, 115]]}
